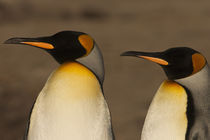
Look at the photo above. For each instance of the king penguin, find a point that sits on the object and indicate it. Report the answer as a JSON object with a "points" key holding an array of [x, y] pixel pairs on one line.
{"points": [[180, 109], [71, 106]]}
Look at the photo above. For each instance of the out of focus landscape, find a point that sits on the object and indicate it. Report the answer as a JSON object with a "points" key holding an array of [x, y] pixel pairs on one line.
{"points": [[117, 26]]}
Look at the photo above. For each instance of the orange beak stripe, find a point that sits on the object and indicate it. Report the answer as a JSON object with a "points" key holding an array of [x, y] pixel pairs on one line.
{"points": [[156, 60], [40, 45]]}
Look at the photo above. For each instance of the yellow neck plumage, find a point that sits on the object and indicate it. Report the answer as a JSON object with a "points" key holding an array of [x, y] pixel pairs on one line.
{"points": [[72, 75]]}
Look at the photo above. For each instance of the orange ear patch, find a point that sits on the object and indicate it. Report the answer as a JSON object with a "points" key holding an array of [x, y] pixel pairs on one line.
{"points": [[156, 60], [198, 61], [87, 42], [40, 45]]}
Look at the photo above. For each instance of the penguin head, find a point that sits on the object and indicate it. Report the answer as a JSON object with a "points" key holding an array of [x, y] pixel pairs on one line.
{"points": [[68, 46], [63, 46], [179, 62]]}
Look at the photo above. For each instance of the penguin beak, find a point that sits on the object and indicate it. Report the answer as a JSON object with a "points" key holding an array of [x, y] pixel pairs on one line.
{"points": [[36, 42], [152, 56]]}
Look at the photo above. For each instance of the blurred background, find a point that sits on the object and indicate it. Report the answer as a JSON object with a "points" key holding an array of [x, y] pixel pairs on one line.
{"points": [[117, 26]]}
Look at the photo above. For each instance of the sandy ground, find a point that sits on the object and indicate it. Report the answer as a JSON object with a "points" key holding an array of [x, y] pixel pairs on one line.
{"points": [[117, 26]]}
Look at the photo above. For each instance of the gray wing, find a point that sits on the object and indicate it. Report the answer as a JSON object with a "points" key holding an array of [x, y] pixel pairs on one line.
{"points": [[200, 130]]}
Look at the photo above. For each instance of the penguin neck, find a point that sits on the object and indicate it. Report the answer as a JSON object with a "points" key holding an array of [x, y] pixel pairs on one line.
{"points": [[70, 106], [198, 85], [94, 61]]}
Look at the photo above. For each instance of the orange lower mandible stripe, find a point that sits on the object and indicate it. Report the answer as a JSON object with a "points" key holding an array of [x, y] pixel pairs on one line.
{"points": [[40, 45], [156, 60]]}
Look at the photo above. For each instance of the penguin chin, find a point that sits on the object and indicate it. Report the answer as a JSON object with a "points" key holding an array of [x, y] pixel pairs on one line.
{"points": [[176, 77], [173, 72], [62, 56]]}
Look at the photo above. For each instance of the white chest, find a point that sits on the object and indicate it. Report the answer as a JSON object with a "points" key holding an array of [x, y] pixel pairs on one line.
{"points": [[70, 107], [166, 118]]}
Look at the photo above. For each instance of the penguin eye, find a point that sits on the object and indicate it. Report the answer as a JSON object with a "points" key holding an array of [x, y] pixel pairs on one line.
{"points": [[198, 62], [87, 43]]}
